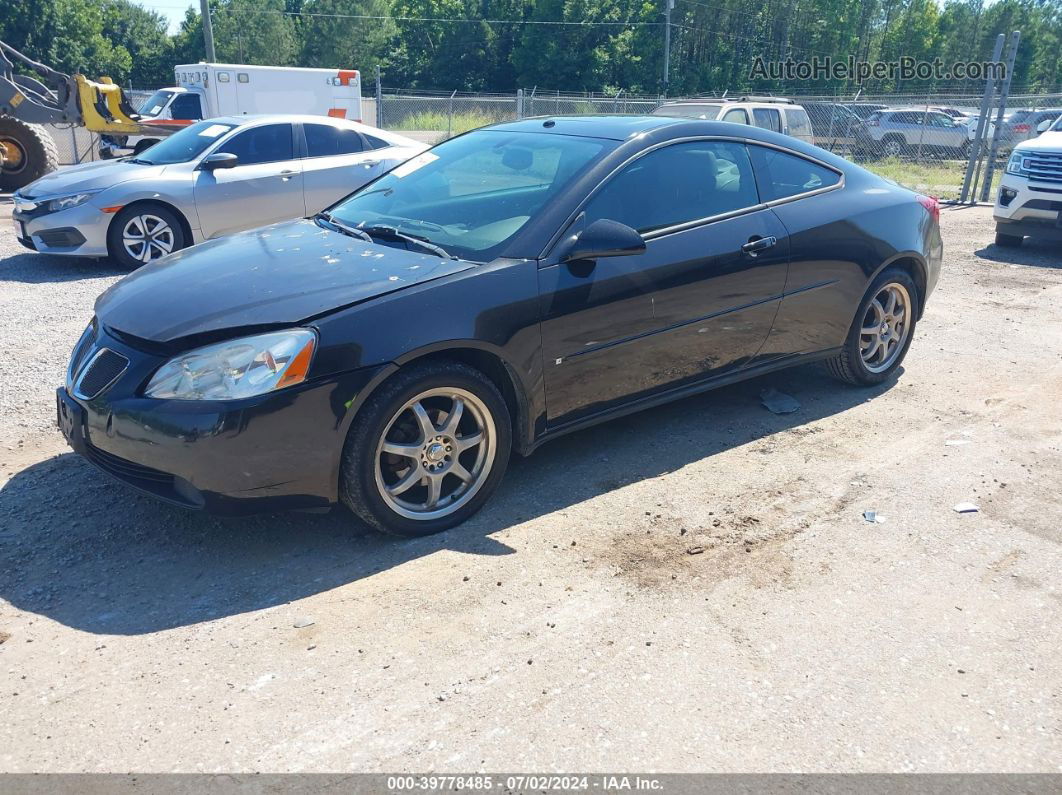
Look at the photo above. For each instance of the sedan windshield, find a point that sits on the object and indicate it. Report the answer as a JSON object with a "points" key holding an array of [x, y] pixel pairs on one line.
{"points": [[183, 146], [472, 194]]}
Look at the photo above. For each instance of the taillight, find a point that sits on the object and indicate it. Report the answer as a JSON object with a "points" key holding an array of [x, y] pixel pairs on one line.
{"points": [[932, 206], [1022, 128]]}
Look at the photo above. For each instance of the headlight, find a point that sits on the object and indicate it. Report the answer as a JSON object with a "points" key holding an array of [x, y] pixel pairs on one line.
{"points": [[1014, 164], [238, 368], [66, 202]]}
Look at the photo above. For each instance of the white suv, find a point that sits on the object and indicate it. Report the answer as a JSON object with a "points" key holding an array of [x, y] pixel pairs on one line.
{"points": [[770, 113], [1029, 201]]}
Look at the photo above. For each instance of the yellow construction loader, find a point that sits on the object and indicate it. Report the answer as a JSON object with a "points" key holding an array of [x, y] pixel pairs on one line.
{"points": [[27, 150]]}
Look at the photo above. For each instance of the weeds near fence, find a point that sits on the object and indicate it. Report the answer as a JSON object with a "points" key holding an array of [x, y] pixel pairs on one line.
{"points": [[942, 179], [440, 121]]}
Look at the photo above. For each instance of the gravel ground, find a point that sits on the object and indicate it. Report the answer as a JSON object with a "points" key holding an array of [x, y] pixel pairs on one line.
{"points": [[692, 588]]}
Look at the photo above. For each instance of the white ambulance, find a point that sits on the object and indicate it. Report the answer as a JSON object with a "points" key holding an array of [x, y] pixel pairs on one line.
{"points": [[206, 90]]}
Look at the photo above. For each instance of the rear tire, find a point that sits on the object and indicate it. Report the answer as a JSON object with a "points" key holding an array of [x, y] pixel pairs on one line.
{"points": [[1010, 241], [395, 452], [144, 232], [29, 153], [863, 361]]}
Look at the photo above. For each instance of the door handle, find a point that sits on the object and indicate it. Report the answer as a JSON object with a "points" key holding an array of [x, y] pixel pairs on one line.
{"points": [[287, 174], [370, 163], [758, 244]]}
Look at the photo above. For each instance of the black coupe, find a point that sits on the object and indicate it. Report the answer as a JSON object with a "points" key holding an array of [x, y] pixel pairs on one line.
{"points": [[510, 285]]}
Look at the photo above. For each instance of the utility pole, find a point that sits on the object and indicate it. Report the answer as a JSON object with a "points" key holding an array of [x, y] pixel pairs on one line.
{"points": [[982, 126], [208, 31], [1004, 93], [668, 5]]}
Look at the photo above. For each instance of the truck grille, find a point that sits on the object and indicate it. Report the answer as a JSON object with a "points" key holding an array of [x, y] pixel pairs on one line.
{"points": [[1043, 166], [102, 371]]}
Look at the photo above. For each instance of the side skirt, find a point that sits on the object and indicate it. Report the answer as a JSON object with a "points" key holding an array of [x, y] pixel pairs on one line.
{"points": [[678, 393]]}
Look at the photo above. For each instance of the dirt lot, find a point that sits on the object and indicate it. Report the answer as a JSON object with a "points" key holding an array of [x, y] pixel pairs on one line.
{"points": [[568, 626]]}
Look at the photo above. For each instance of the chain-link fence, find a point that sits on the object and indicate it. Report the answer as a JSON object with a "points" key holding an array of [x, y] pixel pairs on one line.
{"points": [[924, 141]]}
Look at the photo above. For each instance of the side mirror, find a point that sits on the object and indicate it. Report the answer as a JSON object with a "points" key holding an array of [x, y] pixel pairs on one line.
{"points": [[603, 238], [1044, 126], [219, 160]]}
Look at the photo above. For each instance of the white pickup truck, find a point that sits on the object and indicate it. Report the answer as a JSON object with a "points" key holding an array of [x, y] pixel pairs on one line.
{"points": [[1029, 201], [208, 90]]}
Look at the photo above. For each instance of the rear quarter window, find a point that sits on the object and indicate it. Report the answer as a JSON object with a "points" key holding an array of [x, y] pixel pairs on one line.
{"points": [[781, 174], [799, 123]]}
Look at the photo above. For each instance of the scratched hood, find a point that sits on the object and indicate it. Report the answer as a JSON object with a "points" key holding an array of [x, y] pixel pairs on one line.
{"points": [[276, 275]]}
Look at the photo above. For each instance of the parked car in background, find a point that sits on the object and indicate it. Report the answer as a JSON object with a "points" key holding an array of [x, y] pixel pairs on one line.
{"points": [[864, 109], [769, 113], [212, 178], [908, 131], [833, 124], [1021, 125], [511, 285], [1029, 200]]}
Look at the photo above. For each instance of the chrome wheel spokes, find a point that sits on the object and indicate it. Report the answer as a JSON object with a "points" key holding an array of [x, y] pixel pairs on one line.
{"points": [[885, 327], [435, 453]]}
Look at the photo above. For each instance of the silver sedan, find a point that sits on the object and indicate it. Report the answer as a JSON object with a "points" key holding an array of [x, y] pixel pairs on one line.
{"points": [[213, 178]]}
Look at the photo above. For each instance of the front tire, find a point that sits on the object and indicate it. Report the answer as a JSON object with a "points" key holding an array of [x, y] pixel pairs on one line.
{"points": [[141, 233], [427, 450], [1010, 241], [881, 332]]}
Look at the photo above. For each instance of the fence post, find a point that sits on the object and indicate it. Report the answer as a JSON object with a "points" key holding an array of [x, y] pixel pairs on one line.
{"points": [[1004, 92], [450, 116], [73, 140], [975, 149], [379, 100], [519, 103]]}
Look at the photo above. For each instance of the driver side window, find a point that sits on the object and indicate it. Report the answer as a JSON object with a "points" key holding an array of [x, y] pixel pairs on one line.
{"points": [[677, 184], [266, 144]]}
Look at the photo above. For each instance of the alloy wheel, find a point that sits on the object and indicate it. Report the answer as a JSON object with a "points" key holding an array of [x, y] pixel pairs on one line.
{"points": [[885, 328], [147, 237], [893, 148], [435, 453]]}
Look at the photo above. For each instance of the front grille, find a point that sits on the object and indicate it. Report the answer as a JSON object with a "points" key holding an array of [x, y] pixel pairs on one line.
{"points": [[100, 373], [1043, 166]]}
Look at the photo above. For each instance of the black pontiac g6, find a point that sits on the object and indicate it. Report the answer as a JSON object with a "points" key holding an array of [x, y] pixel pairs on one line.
{"points": [[507, 286]]}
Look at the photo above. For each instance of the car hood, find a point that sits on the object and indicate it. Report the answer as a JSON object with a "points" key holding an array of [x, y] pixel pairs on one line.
{"points": [[89, 176], [277, 275], [1048, 140]]}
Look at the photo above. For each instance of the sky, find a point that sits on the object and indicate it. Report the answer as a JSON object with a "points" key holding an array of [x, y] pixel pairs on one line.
{"points": [[173, 10]]}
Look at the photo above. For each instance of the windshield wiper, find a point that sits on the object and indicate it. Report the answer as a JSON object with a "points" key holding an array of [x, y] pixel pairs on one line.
{"points": [[390, 233], [139, 161], [351, 231]]}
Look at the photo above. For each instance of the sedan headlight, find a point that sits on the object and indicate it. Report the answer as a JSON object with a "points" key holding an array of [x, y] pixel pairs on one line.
{"points": [[73, 200], [239, 368], [1014, 165]]}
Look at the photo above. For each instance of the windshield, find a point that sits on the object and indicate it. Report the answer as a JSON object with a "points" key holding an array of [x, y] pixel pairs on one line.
{"points": [[155, 103], [472, 194], [183, 146]]}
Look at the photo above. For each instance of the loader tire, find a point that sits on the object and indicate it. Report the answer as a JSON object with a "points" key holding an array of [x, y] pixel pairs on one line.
{"points": [[29, 153]]}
